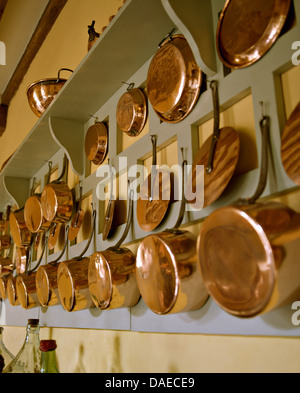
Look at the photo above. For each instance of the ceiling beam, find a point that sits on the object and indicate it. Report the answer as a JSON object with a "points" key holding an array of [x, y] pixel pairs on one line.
{"points": [[3, 4], [44, 26]]}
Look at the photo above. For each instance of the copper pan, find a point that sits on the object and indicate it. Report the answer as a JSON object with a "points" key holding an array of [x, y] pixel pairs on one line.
{"points": [[110, 210], [6, 266], [57, 199], [3, 287], [111, 275], [167, 271], [174, 80], [290, 146], [20, 233], [132, 112], [72, 280], [12, 291], [219, 156], [249, 257], [96, 143], [21, 260], [248, 29], [155, 196], [77, 220]]}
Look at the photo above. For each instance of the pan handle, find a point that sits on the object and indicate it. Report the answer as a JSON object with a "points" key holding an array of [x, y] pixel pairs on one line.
{"points": [[183, 200], [216, 133], [80, 257], [63, 69]]}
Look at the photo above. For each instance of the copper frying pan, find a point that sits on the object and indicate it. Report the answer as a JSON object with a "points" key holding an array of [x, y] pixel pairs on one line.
{"points": [[154, 197], [219, 155], [96, 143], [174, 80], [290, 146], [248, 29]]}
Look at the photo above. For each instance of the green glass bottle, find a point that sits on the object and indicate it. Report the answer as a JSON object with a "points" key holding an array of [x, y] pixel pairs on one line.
{"points": [[48, 358]]}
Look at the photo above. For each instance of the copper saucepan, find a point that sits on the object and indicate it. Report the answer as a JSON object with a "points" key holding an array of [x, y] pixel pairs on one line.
{"points": [[248, 29], [111, 275], [57, 199], [72, 280], [174, 80], [40, 94], [168, 275], [155, 195], [290, 146], [20, 233], [132, 112], [12, 291], [96, 143], [249, 257], [6, 266]]}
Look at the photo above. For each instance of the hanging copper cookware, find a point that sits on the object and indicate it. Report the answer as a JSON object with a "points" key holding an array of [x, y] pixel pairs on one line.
{"points": [[6, 266], [21, 260], [219, 157], [155, 195], [18, 229], [96, 143], [110, 210], [5, 242], [40, 94], [57, 199], [132, 112], [248, 29], [174, 80], [77, 220], [290, 146], [12, 292], [167, 271], [111, 275], [72, 280]]}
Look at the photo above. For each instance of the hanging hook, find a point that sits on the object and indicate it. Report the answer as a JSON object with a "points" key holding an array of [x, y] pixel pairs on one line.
{"points": [[130, 85]]}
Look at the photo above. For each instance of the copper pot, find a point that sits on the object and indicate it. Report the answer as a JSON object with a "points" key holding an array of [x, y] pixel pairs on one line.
{"points": [[132, 112], [6, 266], [40, 94], [167, 272], [12, 292], [174, 80], [259, 23], [57, 202], [46, 285], [21, 260], [3, 286], [96, 143], [33, 215], [249, 257], [26, 291], [18, 229], [111, 275], [72, 280]]}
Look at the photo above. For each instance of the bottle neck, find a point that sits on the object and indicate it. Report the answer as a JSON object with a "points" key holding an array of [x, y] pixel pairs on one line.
{"points": [[48, 362]]}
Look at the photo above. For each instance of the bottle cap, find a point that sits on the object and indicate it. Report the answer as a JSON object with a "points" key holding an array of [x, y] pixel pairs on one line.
{"points": [[33, 322], [47, 345]]}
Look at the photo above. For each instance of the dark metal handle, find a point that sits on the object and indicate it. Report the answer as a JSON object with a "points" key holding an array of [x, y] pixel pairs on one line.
{"points": [[167, 38], [154, 164], [216, 133], [80, 257], [63, 69], [183, 201], [29, 272]]}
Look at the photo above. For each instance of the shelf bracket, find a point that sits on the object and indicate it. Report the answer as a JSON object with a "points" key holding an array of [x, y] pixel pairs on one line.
{"points": [[18, 188], [196, 24], [69, 135]]}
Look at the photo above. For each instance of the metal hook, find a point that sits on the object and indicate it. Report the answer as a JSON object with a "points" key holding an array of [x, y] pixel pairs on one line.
{"points": [[130, 86]]}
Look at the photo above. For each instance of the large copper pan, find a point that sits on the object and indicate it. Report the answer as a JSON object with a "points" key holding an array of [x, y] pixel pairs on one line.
{"points": [[249, 257], [174, 80], [290, 146], [111, 275], [167, 272], [248, 29]]}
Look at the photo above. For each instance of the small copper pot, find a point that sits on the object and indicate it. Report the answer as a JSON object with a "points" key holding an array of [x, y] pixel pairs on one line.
{"points": [[46, 285], [12, 292], [18, 229], [96, 143], [72, 280], [249, 257], [132, 112], [57, 202], [21, 260], [26, 291], [33, 215]]}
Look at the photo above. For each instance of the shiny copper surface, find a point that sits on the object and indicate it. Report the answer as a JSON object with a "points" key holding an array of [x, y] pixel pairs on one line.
{"points": [[152, 206], [109, 216], [18, 229], [96, 143], [33, 215], [12, 292], [248, 257], [3, 286], [290, 146], [226, 156], [112, 281], [76, 224], [5, 242], [168, 274], [73, 287], [248, 29], [132, 112], [57, 202], [6, 266], [54, 235], [20, 260], [174, 80], [26, 291], [46, 285]]}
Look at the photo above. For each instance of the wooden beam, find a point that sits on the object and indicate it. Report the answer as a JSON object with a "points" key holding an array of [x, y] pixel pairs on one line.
{"points": [[3, 4], [44, 26]]}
